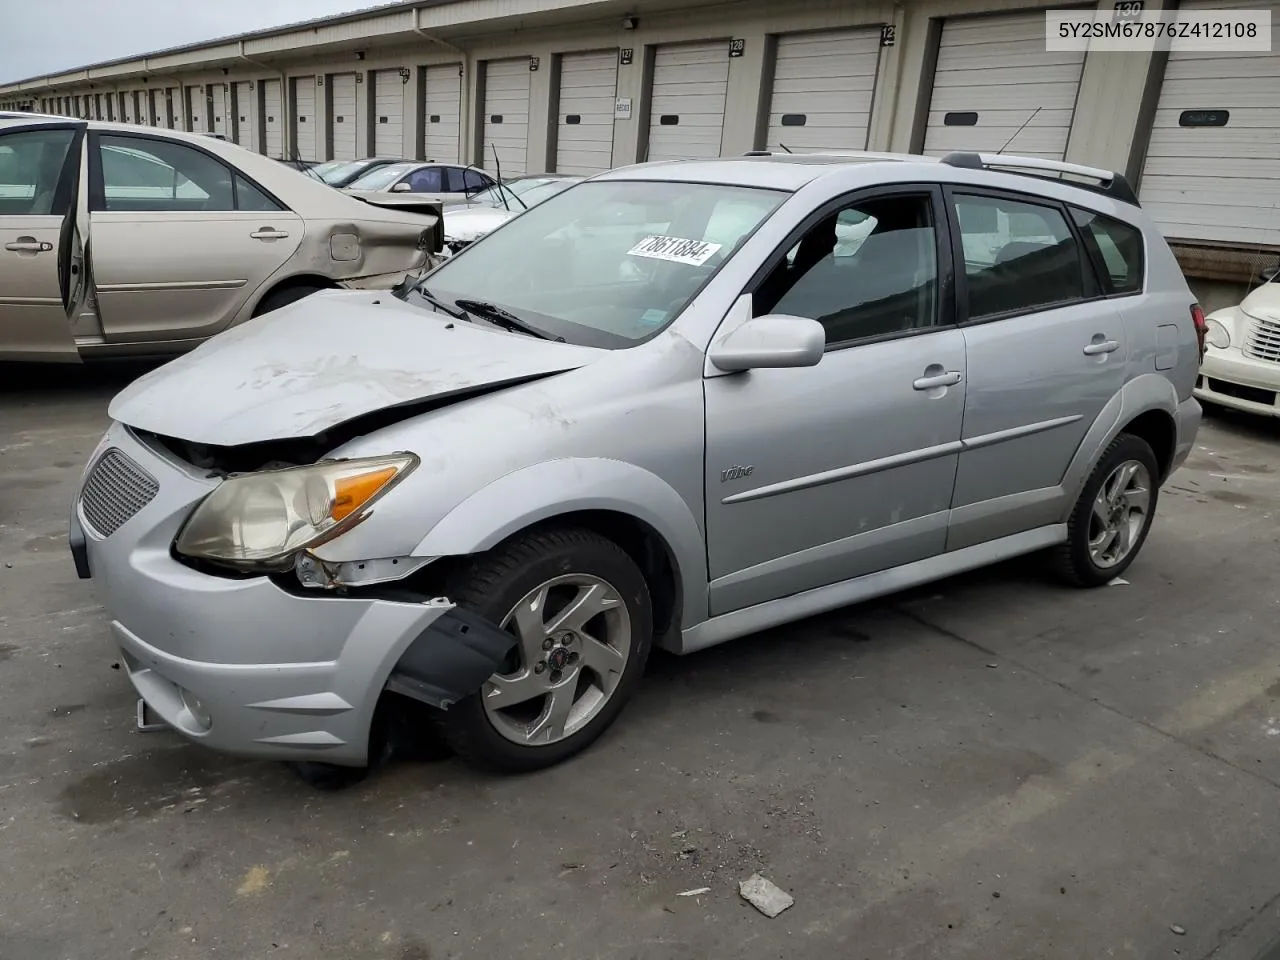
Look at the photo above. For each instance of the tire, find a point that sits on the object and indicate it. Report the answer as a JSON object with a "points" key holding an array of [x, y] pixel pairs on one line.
{"points": [[284, 296], [1076, 560], [523, 737]]}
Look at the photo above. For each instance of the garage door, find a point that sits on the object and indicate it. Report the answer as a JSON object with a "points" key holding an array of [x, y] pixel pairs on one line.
{"points": [[272, 119], [993, 76], [822, 89], [388, 120], [1212, 171], [196, 116], [126, 107], [584, 127], [218, 95], [506, 115], [246, 125], [304, 117], [687, 106], [442, 99], [344, 118]]}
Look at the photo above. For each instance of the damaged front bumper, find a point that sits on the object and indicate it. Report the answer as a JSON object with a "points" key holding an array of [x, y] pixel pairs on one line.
{"points": [[242, 664]]}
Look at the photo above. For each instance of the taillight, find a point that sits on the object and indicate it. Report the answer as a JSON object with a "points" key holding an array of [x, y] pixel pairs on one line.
{"points": [[1197, 317]]}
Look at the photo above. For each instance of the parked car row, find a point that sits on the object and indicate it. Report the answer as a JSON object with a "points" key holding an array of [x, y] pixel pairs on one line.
{"points": [[669, 405]]}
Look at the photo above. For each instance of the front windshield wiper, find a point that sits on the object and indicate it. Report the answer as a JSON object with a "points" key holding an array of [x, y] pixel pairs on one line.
{"points": [[504, 318], [440, 305]]}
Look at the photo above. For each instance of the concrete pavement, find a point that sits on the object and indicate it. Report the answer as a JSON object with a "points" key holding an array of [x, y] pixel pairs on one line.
{"points": [[989, 767]]}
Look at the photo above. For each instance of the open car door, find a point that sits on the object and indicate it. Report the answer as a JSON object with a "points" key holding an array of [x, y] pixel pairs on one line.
{"points": [[42, 269]]}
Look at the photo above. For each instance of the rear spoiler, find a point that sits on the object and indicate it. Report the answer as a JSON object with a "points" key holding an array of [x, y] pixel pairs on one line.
{"points": [[410, 203]]}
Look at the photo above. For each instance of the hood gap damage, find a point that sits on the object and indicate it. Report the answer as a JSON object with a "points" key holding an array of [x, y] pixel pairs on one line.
{"points": [[283, 452]]}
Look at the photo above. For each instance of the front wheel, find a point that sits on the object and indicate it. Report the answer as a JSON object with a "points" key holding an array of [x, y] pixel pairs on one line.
{"points": [[579, 611], [1110, 521]]}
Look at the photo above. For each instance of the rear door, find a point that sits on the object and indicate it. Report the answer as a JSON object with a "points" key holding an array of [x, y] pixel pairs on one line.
{"points": [[41, 256], [181, 240], [1046, 351]]}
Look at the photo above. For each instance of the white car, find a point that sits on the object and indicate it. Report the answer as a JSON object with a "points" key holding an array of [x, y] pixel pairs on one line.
{"points": [[413, 179], [1241, 366], [489, 209]]}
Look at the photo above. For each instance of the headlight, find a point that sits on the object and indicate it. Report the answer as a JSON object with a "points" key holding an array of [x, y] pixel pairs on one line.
{"points": [[1216, 334], [262, 520]]}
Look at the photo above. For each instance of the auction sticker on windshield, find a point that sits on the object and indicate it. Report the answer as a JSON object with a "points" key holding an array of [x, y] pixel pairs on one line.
{"points": [[675, 249]]}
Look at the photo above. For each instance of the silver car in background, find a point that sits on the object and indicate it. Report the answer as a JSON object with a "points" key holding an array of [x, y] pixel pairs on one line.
{"points": [[117, 239], [675, 404]]}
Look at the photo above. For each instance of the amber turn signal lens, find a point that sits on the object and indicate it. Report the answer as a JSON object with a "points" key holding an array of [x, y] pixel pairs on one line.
{"points": [[351, 493]]}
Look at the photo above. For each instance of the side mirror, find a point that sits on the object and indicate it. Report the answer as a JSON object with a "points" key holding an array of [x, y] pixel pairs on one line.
{"points": [[771, 341], [401, 187]]}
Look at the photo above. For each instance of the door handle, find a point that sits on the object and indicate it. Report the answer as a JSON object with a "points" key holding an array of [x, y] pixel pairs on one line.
{"points": [[29, 245], [269, 233], [1101, 346], [948, 379]]}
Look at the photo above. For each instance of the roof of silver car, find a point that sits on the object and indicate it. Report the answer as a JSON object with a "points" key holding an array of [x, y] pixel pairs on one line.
{"points": [[779, 171]]}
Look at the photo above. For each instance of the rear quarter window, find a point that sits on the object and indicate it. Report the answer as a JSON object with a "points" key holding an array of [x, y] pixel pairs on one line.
{"points": [[1116, 249]]}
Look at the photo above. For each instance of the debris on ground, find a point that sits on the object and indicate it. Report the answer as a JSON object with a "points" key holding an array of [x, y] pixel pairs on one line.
{"points": [[1179, 929], [1117, 582], [697, 892], [765, 896]]}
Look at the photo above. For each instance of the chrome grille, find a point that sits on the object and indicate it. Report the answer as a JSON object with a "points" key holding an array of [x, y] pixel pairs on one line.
{"points": [[1262, 340], [115, 490]]}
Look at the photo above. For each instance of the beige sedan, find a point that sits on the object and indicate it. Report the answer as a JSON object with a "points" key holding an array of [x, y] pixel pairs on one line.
{"points": [[117, 239]]}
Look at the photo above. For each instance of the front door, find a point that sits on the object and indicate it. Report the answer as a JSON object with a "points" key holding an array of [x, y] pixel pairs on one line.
{"points": [[1045, 354], [41, 255], [180, 239], [820, 474]]}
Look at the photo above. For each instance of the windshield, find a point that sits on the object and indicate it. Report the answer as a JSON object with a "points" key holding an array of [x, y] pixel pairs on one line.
{"points": [[608, 264], [382, 177], [495, 197], [331, 171]]}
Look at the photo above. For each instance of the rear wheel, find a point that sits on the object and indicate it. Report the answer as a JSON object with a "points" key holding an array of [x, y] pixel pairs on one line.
{"points": [[1112, 518], [580, 613]]}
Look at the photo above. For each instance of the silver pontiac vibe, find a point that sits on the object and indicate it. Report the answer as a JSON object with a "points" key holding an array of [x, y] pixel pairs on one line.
{"points": [[673, 404]]}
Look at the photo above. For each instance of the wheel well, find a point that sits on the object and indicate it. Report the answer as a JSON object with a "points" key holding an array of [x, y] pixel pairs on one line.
{"points": [[292, 283], [1159, 431], [644, 545]]}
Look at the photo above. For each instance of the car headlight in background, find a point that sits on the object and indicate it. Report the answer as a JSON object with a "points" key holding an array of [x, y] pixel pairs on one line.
{"points": [[260, 521], [1216, 335]]}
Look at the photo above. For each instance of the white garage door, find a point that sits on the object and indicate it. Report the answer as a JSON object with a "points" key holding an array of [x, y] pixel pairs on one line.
{"points": [[272, 119], [687, 108], [584, 128], [994, 75], [344, 119], [246, 125], [1212, 171], [219, 97], [388, 120], [304, 117], [822, 89], [506, 116], [196, 115], [442, 101], [126, 107]]}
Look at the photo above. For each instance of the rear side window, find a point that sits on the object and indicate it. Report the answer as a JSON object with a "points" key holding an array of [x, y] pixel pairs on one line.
{"points": [[1018, 256], [1116, 250]]}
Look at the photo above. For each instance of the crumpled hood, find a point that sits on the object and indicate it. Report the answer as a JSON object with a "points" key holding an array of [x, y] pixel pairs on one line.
{"points": [[326, 359], [472, 224]]}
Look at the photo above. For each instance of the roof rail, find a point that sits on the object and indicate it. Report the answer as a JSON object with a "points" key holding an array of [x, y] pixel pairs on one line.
{"points": [[1108, 182]]}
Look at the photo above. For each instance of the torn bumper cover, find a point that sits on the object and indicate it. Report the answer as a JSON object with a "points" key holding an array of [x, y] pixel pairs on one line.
{"points": [[451, 659]]}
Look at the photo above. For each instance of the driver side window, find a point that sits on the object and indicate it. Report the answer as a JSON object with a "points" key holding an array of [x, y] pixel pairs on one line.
{"points": [[867, 270]]}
